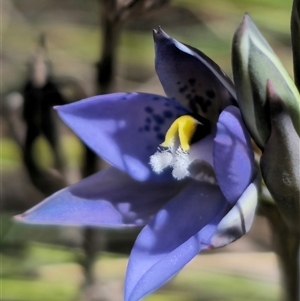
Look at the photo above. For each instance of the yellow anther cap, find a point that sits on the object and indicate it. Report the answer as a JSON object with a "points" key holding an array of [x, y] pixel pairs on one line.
{"points": [[183, 128]]}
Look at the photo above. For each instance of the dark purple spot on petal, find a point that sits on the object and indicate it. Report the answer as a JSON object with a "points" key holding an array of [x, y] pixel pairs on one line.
{"points": [[183, 89], [148, 120], [155, 97], [198, 98], [178, 83], [156, 128], [198, 101], [192, 81], [210, 94], [147, 128], [160, 137], [166, 104], [158, 119], [149, 110], [168, 114], [193, 106], [180, 108], [208, 102]]}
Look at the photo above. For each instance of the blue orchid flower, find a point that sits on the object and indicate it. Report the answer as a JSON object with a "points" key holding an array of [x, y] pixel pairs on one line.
{"points": [[182, 167]]}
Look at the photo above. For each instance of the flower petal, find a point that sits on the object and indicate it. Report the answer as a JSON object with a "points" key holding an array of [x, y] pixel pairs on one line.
{"points": [[191, 78], [177, 233], [239, 219], [109, 198], [124, 128], [233, 155]]}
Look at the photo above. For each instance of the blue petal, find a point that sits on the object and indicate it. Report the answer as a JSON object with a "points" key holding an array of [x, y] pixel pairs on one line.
{"points": [[124, 128], [191, 78], [109, 198], [177, 233], [233, 155]]}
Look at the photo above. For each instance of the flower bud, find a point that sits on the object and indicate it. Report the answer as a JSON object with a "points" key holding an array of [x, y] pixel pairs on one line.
{"points": [[254, 62], [295, 31], [280, 161]]}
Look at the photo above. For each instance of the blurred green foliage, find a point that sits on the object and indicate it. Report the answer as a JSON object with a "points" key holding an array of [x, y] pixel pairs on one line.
{"points": [[45, 272]]}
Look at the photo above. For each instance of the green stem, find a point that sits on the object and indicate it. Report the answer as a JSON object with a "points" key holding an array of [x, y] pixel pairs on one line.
{"points": [[287, 247], [91, 246]]}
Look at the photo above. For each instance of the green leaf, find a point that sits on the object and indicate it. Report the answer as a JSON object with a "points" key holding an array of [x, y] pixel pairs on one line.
{"points": [[254, 62]]}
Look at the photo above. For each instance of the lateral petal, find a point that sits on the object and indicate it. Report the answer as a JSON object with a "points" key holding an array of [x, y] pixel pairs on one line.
{"points": [[239, 219], [173, 237], [233, 155], [109, 198]]}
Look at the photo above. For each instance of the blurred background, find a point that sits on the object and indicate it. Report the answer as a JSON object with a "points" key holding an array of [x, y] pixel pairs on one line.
{"points": [[77, 49]]}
